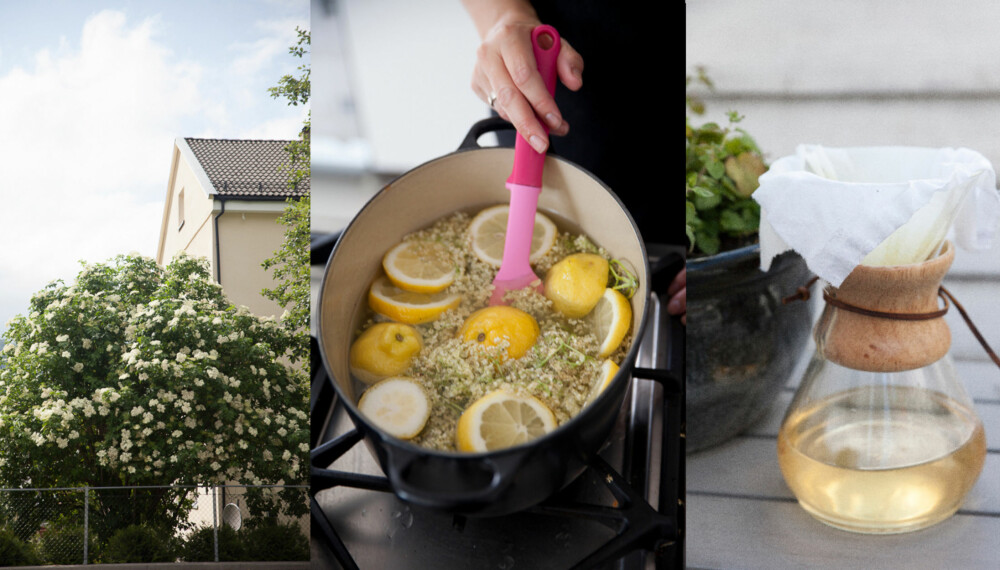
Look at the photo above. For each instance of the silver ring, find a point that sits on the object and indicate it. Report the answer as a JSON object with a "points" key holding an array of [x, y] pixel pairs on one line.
{"points": [[491, 99]]}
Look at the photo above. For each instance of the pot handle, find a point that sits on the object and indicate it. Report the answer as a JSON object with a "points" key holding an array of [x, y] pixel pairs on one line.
{"points": [[500, 470], [482, 127]]}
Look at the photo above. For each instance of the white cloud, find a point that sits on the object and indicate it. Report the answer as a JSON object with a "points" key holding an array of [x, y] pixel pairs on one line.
{"points": [[85, 152], [277, 37], [283, 128]]}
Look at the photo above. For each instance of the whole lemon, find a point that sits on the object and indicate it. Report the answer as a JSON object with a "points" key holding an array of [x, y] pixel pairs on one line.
{"points": [[383, 350], [576, 283], [501, 324]]}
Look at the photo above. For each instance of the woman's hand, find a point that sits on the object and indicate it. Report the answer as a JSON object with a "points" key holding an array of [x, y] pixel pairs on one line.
{"points": [[678, 296], [506, 75]]}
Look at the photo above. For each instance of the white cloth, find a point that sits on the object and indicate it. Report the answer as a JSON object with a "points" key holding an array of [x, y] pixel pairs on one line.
{"points": [[835, 206]]}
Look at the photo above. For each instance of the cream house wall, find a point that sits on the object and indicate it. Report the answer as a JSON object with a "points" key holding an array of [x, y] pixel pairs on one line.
{"points": [[195, 235], [249, 233]]}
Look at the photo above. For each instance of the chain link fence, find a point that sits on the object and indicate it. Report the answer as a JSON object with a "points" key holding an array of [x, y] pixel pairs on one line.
{"points": [[91, 525]]}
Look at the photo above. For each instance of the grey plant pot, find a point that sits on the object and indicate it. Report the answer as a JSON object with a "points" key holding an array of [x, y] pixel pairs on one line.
{"points": [[742, 342]]}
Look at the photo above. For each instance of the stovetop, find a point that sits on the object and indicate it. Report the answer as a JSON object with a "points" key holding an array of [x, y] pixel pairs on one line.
{"points": [[626, 511]]}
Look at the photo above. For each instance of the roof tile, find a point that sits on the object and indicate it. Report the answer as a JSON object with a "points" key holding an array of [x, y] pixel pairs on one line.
{"points": [[248, 169]]}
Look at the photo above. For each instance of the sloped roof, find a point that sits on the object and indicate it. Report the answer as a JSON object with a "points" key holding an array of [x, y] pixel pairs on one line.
{"points": [[246, 169]]}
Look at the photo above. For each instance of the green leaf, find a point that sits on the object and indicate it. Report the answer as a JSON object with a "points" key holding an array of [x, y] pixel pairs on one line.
{"points": [[692, 212], [731, 221], [716, 169], [708, 243], [702, 192], [707, 202]]}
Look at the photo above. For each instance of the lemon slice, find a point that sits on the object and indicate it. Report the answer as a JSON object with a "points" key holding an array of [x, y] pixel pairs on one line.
{"points": [[489, 228], [608, 371], [406, 306], [611, 317], [576, 283], [501, 419], [398, 405], [419, 266], [383, 350]]}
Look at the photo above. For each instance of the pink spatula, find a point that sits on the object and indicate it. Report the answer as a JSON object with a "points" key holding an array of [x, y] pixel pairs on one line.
{"points": [[525, 184]]}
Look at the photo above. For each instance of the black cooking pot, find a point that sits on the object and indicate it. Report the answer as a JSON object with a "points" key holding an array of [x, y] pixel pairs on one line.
{"points": [[469, 179]]}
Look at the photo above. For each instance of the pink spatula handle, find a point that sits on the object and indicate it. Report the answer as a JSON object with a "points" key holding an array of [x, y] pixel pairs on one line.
{"points": [[527, 162], [525, 184]]}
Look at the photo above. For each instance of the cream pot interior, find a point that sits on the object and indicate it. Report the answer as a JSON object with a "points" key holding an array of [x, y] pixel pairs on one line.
{"points": [[467, 181]]}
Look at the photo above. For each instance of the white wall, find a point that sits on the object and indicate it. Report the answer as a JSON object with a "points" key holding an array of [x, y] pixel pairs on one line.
{"points": [[410, 66]]}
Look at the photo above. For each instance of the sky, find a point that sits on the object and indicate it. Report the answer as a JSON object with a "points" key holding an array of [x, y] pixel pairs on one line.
{"points": [[92, 96]]}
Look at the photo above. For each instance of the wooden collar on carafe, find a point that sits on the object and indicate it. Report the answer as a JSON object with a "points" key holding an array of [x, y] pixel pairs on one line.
{"points": [[803, 294]]}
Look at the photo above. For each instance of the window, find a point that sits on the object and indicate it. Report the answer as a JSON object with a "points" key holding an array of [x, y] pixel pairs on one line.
{"points": [[180, 209]]}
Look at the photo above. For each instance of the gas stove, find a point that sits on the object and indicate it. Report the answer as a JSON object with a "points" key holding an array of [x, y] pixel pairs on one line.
{"points": [[625, 512]]}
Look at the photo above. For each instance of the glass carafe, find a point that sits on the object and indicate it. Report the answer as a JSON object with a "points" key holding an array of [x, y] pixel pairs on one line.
{"points": [[881, 436]]}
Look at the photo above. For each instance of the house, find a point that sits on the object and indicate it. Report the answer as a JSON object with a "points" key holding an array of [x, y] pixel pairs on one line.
{"points": [[224, 197]]}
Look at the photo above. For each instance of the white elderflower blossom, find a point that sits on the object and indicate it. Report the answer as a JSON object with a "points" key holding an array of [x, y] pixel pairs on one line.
{"points": [[65, 354], [43, 414], [78, 367], [62, 442], [286, 455], [62, 338], [87, 343]]}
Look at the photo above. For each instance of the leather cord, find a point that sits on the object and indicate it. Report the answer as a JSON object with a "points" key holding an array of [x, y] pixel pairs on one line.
{"points": [[803, 294], [968, 320], [884, 315]]}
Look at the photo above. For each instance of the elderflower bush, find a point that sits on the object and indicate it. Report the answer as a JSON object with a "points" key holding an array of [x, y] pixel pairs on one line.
{"points": [[141, 375]]}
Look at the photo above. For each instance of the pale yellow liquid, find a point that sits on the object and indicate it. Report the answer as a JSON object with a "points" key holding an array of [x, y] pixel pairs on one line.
{"points": [[882, 460]]}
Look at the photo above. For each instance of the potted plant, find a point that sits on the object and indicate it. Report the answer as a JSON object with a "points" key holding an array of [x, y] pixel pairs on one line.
{"points": [[742, 341]]}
